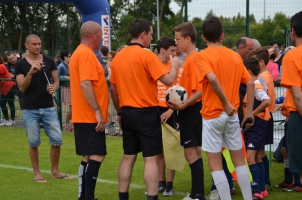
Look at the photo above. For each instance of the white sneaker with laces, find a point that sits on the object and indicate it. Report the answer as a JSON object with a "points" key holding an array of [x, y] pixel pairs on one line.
{"points": [[167, 194], [4, 122], [213, 195], [188, 198], [10, 123]]}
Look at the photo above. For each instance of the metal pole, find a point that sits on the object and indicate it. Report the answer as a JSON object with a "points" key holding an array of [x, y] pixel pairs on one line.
{"points": [[186, 10], [264, 10], [247, 29], [158, 31]]}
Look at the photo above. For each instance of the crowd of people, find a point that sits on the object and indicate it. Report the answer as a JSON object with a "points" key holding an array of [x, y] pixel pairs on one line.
{"points": [[230, 92]]}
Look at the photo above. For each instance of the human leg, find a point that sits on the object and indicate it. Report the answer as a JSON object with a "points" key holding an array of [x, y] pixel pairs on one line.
{"points": [[82, 178], [162, 173], [3, 101], [151, 175], [169, 186], [92, 171]]}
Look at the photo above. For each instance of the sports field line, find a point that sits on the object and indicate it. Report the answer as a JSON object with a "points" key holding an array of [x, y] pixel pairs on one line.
{"points": [[76, 176]]}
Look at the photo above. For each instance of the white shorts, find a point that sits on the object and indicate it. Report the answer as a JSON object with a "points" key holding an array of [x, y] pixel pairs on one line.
{"points": [[223, 131]]}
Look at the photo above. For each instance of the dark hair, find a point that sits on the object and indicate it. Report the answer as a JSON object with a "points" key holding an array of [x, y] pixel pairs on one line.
{"points": [[139, 26], [64, 54], [113, 54], [165, 42], [1, 60], [212, 29], [187, 29], [241, 41], [274, 42], [9, 53], [252, 64], [260, 53], [273, 55], [104, 50], [296, 23]]}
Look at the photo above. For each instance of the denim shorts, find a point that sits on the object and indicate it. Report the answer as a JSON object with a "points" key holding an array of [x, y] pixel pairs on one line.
{"points": [[49, 119]]}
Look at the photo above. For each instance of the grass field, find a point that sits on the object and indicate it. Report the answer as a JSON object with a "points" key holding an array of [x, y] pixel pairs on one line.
{"points": [[17, 176]]}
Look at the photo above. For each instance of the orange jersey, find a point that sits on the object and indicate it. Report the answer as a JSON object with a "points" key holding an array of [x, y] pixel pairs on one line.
{"points": [[188, 79], [162, 88], [84, 66], [264, 115], [284, 108], [271, 89], [135, 72], [292, 74], [228, 67]]}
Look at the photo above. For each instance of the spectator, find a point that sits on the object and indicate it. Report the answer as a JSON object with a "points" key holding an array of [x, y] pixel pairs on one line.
{"points": [[279, 57], [63, 74], [38, 106], [282, 49], [271, 66], [244, 47], [89, 99], [58, 60], [287, 49], [256, 43], [7, 96]]}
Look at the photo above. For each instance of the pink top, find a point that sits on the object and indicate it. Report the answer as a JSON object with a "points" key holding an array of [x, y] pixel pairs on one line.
{"points": [[273, 69], [5, 86]]}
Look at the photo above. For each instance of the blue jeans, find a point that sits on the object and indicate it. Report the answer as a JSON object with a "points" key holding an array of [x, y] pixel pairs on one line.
{"points": [[49, 118]]}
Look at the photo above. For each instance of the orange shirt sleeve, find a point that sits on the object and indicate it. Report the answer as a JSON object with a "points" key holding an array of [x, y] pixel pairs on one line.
{"points": [[85, 68], [290, 73], [202, 67]]}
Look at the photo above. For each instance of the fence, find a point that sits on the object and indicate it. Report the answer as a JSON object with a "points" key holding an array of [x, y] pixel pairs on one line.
{"points": [[113, 128]]}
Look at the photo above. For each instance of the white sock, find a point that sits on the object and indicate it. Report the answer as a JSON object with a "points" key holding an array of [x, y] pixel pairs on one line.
{"points": [[244, 182], [222, 185]]}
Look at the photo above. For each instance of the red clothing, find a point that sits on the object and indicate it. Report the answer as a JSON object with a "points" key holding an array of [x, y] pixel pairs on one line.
{"points": [[5, 86], [273, 70]]}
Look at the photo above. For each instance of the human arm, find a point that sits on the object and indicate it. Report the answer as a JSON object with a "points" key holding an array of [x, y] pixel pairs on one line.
{"points": [[297, 97], [217, 89], [169, 78], [24, 81], [262, 96], [89, 95], [166, 115], [275, 72], [52, 88], [116, 103], [250, 92]]}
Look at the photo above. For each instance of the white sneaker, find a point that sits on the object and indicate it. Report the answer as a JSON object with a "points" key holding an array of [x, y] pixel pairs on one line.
{"points": [[10, 123], [213, 195], [188, 198], [4, 122], [167, 194]]}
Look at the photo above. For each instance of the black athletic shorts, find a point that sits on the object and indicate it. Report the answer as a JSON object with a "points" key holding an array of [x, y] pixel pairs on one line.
{"points": [[172, 120], [190, 122], [270, 131], [255, 136], [141, 131], [88, 141]]}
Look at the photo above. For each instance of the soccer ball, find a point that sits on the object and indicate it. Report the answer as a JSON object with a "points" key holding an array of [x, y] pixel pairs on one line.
{"points": [[176, 94]]}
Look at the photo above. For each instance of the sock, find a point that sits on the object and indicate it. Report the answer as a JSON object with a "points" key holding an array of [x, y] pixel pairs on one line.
{"points": [[256, 178], [169, 186], [193, 193], [228, 175], [261, 177], [92, 172], [222, 184], [152, 197], [244, 182], [297, 179], [123, 195], [82, 181], [288, 176], [162, 184], [266, 170], [197, 173]]}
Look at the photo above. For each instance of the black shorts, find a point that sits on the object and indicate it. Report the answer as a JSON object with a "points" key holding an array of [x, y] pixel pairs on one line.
{"points": [[190, 122], [141, 131], [294, 142], [88, 141], [270, 131], [255, 136], [172, 120]]}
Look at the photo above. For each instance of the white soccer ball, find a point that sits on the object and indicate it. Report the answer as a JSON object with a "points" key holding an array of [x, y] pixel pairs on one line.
{"points": [[176, 94]]}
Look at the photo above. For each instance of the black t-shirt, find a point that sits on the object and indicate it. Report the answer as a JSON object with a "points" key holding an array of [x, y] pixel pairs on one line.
{"points": [[36, 95], [11, 67], [279, 62]]}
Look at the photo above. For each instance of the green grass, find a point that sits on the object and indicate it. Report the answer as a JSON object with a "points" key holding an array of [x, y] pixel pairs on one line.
{"points": [[17, 176]]}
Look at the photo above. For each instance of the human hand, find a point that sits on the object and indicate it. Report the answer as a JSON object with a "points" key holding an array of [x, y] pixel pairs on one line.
{"points": [[175, 61], [50, 89], [35, 68], [247, 121], [229, 109], [166, 115], [101, 123], [175, 106]]}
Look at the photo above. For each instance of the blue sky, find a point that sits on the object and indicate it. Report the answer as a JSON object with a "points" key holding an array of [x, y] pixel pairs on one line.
{"points": [[229, 8]]}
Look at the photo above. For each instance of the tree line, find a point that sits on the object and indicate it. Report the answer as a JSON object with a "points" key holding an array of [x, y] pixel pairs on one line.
{"points": [[58, 24]]}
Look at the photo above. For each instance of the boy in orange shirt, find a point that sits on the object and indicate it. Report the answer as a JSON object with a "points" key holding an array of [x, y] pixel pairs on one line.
{"points": [[220, 71], [190, 120], [134, 75], [292, 79], [255, 136]]}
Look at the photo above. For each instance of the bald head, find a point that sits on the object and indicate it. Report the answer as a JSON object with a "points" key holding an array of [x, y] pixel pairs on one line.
{"points": [[88, 27], [30, 37], [244, 46]]}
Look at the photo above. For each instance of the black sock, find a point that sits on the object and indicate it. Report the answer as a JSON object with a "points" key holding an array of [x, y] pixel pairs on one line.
{"points": [[123, 195], [169, 186], [82, 180], [162, 184], [197, 173], [152, 197], [92, 172]]}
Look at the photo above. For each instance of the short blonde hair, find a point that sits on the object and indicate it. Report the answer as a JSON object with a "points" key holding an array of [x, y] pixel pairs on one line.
{"points": [[287, 49]]}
